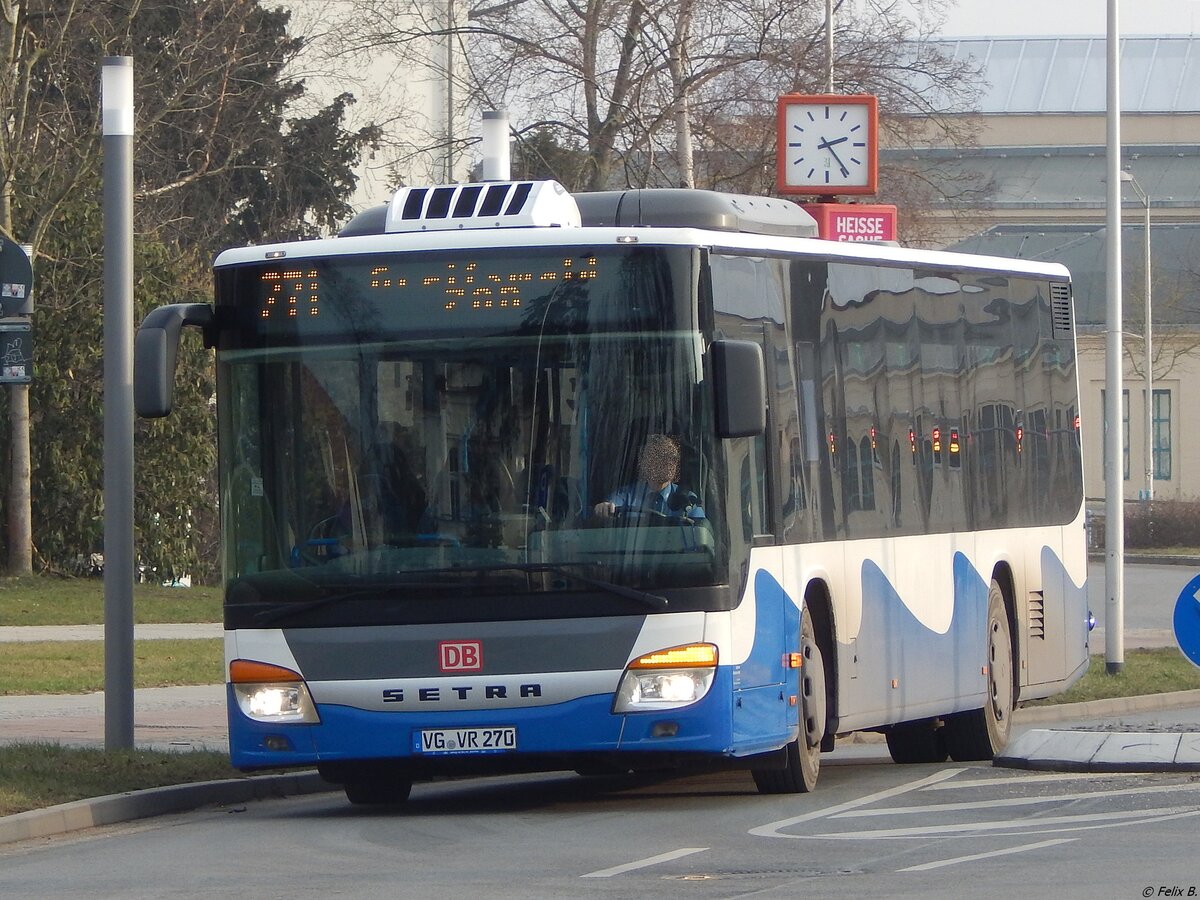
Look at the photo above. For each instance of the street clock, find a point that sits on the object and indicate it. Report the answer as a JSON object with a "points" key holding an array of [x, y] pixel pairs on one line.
{"points": [[828, 144]]}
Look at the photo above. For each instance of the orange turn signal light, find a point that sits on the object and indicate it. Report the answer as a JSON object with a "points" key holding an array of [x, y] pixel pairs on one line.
{"points": [[683, 657], [249, 671]]}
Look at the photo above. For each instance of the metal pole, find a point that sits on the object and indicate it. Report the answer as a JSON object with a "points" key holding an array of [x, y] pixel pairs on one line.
{"points": [[450, 124], [829, 46], [117, 113], [20, 496], [1149, 363], [1114, 511]]}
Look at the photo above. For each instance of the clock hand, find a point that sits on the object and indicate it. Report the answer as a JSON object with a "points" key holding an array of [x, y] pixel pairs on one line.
{"points": [[828, 145]]}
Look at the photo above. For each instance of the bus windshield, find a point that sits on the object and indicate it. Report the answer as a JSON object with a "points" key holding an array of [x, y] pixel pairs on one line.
{"points": [[402, 455]]}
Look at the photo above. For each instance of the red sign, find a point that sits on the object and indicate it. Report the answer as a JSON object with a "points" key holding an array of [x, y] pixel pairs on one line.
{"points": [[460, 656], [854, 221]]}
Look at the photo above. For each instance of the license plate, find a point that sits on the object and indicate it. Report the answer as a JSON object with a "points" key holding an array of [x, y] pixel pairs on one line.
{"points": [[441, 741]]}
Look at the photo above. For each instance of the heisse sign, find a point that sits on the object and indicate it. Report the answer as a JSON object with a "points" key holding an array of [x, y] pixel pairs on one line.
{"points": [[862, 228], [854, 221]]}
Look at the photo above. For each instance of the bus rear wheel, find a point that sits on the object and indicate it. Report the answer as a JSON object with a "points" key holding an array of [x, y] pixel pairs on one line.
{"points": [[802, 757], [920, 741], [980, 734]]}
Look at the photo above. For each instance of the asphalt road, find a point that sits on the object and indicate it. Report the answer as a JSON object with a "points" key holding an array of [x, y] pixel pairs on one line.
{"points": [[1150, 595], [872, 829]]}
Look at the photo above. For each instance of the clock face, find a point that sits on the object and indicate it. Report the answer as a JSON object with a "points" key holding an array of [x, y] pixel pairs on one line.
{"points": [[827, 146]]}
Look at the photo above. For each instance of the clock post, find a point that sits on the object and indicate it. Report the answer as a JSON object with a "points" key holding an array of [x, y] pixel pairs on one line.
{"points": [[827, 146]]}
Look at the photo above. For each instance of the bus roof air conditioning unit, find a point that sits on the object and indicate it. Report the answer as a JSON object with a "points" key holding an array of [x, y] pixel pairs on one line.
{"points": [[502, 204]]}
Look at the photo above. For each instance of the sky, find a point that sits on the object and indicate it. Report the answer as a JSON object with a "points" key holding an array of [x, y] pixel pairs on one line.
{"points": [[1068, 18]]}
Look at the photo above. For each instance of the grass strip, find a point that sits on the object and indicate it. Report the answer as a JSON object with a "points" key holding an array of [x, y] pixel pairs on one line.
{"points": [[1157, 671], [48, 600], [34, 776], [77, 667]]}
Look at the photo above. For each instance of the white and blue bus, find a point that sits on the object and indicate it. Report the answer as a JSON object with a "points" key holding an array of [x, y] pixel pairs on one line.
{"points": [[437, 554]]}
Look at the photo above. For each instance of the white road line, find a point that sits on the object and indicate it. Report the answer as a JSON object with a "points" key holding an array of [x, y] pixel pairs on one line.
{"points": [[772, 829], [925, 867], [643, 863], [1014, 801], [1017, 825], [1030, 779]]}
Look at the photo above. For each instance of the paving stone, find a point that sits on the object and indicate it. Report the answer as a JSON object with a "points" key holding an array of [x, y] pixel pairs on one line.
{"points": [[1189, 749], [1142, 749]]}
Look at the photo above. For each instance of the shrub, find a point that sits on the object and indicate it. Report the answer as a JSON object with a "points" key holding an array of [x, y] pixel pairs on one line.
{"points": [[1160, 524]]}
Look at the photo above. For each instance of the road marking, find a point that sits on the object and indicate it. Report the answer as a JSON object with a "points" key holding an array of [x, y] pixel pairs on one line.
{"points": [[1014, 801], [1030, 826], [772, 829], [925, 867], [1030, 779], [1035, 779], [643, 863]]}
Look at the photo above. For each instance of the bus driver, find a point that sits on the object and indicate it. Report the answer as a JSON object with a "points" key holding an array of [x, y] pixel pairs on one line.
{"points": [[656, 491]]}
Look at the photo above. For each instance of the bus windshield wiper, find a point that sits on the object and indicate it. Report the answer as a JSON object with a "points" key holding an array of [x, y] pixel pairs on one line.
{"points": [[655, 601], [268, 616]]}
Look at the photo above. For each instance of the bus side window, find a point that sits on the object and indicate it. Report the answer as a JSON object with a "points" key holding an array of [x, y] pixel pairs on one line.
{"points": [[752, 488]]}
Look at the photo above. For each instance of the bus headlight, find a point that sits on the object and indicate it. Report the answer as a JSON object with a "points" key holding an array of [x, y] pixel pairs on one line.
{"points": [[667, 679], [268, 693]]}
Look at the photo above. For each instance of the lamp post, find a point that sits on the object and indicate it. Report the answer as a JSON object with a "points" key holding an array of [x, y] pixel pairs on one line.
{"points": [[829, 46], [1114, 511], [1127, 177]]}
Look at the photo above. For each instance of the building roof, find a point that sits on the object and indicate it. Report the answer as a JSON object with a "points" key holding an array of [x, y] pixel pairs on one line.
{"points": [[1067, 74], [1041, 177], [1175, 281]]}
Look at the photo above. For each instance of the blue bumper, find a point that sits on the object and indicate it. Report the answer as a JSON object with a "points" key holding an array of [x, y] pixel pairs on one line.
{"points": [[584, 728]]}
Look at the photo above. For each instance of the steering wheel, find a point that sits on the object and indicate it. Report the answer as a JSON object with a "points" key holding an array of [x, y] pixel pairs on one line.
{"points": [[626, 516]]}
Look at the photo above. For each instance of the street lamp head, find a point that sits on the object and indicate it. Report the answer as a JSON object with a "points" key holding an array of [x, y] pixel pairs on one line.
{"points": [[1128, 178]]}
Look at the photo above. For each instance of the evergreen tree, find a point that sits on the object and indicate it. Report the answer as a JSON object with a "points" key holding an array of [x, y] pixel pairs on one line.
{"points": [[217, 162]]}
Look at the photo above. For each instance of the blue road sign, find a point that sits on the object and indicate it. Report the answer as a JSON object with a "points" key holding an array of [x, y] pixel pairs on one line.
{"points": [[1187, 620], [16, 279]]}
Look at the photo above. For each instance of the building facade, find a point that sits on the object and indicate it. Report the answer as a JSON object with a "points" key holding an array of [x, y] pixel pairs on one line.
{"points": [[1037, 190]]}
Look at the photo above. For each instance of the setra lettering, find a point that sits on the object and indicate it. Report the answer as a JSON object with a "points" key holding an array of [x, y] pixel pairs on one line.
{"points": [[531, 690]]}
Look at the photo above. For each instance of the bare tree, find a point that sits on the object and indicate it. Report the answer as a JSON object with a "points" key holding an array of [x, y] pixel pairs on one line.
{"points": [[675, 91]]}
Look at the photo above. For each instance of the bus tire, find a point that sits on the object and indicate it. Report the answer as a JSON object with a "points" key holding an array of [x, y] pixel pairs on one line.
{"points": [[802, 757], [979, 734], [919, 741], [378, 791]]}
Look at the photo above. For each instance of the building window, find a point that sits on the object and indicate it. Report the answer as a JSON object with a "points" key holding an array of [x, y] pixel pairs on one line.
{"points": [[1162, 435], [866, 465], [853, 496], [1124, 432]]}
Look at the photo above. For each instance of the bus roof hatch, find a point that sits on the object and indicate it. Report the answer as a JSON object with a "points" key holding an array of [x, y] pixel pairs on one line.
{"points": [[500, 204]]}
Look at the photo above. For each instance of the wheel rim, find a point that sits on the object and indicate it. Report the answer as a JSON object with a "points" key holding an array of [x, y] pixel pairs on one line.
{"points": [[1000, 672], [812, 682]]}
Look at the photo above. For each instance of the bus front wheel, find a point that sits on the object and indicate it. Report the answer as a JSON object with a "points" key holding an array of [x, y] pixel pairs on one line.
{"points": [[378, 791], [802, 757]]}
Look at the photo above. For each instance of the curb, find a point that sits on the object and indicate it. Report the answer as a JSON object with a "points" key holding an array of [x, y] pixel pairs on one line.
{"points": [[1083, 750], [1148, 559], [1036, 715], [1103, 751], [114, 808]]}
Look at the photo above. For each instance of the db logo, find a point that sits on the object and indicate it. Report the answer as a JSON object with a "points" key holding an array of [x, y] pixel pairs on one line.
{"points": [[460, 656]]}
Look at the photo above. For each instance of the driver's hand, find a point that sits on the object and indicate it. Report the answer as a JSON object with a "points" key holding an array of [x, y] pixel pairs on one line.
{"points": [[605, 509]]}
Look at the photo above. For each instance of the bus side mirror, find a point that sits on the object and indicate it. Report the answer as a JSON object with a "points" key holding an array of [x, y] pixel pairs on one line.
{"points": [[154, 354], [739, 388]]}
